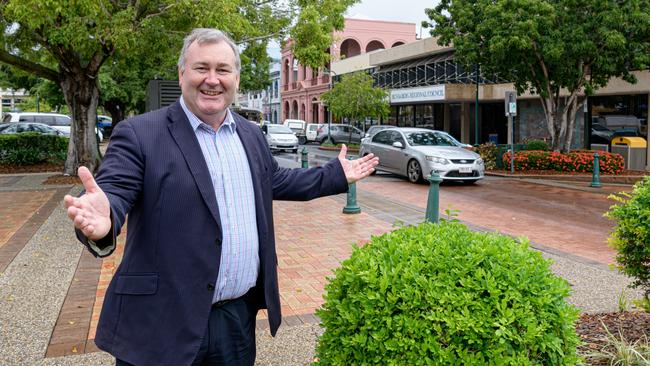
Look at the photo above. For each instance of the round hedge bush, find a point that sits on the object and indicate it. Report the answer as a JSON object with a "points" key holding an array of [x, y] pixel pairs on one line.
{"points": [[442, 295], [631, 236]]}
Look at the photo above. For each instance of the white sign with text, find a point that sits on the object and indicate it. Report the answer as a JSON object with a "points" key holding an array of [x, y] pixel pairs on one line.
{"points": [[422, 94]]}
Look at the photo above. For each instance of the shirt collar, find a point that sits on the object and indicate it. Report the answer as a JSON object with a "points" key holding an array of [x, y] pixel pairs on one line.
{"points": [[195, 122]]}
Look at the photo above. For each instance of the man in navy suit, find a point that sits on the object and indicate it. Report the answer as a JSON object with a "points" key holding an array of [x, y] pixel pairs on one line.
{"points": [[197, 182]]}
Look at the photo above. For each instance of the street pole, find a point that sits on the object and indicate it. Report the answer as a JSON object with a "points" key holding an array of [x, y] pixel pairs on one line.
{"points": [[511, 120], [476, 139], [329, 110]]}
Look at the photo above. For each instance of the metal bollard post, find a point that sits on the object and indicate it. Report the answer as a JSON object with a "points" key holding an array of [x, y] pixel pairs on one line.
{"points": [[434, 198], [595, 177], [351, 206], [303, 158]]}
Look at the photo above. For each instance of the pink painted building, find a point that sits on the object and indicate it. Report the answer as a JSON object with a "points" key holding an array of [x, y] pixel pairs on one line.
{"points": [[301, 86]]}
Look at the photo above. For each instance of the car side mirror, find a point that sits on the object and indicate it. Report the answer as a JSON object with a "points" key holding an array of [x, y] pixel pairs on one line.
{"points": [[398, 144], [265, 129]]}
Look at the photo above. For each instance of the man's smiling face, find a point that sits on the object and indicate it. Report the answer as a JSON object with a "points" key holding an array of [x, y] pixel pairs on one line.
{"points": [[209, 80]]}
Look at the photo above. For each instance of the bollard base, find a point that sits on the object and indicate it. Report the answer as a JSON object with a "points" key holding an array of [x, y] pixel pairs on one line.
{"points": [[351, 209], [595, 185]]}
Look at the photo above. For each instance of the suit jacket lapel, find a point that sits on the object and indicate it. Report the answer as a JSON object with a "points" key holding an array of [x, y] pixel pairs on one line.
{"points": [[185, 138], [252, 148]]}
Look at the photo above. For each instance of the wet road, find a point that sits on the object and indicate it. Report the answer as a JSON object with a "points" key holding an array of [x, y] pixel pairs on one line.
{"points": [[554, 218]]}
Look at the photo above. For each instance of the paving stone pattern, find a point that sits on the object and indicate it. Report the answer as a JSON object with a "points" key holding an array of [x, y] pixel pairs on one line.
{"points": [[51, 290]]}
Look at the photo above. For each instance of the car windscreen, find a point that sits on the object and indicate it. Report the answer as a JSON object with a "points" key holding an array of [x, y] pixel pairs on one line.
{"points": [[428, 139], [279, 130]]}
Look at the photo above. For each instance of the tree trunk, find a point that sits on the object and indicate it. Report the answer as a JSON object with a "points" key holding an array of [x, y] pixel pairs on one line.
{"points": [[117, 111], [560, 121], [571, 110], [82, 96]]}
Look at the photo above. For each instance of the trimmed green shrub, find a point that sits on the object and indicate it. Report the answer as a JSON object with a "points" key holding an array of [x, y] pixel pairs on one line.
{"points": [[440, 294], [31, 148], [631, 236], [537, 145]]}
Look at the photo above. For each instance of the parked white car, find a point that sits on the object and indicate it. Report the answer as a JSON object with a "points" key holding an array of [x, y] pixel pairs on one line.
{"points": [[311, 132], [59, 121], [298, 127], [417, 152], [280, 137]]}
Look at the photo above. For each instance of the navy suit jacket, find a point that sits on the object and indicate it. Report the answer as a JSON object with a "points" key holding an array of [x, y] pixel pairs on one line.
{"points": [[156, 308]]}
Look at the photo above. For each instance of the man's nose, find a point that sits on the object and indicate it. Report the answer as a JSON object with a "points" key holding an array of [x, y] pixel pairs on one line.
{"points": [[212, 78]]}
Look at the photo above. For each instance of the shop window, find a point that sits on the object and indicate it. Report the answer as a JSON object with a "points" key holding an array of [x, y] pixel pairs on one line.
{"points": [[405, 116]]}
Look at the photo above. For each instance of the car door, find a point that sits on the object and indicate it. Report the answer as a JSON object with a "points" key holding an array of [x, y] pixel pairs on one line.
{"points": [[394, 156], [356, 135], [379, 147]]}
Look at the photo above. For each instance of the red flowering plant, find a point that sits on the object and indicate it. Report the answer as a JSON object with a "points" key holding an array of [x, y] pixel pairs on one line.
{"points": [[581, 161]]}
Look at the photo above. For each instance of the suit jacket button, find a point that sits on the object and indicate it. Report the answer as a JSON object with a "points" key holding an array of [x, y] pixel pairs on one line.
{"points": [[210, 286]]}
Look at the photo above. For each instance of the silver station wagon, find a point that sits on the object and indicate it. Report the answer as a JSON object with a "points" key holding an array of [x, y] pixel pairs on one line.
{"points": [[417, 152]]}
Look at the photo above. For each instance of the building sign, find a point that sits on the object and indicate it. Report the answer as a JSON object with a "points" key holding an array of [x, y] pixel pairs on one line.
{"points": [[423, 94]]}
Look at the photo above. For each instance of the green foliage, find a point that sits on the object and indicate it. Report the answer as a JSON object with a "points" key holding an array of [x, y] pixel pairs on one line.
{"points": [[623, 302], [442, 294], [356, 97], [31, 148], [537, 145], [631, 236], [123, 44], [488, 152], [580, 161], [545, 46]]}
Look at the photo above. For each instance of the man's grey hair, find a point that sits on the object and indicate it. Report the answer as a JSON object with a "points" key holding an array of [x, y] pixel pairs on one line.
{"points": [[208, 36]]}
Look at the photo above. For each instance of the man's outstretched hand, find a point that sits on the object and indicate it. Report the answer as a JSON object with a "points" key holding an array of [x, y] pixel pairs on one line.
{"points": [[91, 212], [359, 168]]}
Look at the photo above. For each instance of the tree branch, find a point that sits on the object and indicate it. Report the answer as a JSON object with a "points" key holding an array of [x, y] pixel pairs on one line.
{"points": [[268, 36], [29, 66], [152, 15]]}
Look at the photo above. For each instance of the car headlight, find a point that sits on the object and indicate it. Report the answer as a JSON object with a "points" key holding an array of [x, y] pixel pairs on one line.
{"points": [[479, 161], [438, 160]]}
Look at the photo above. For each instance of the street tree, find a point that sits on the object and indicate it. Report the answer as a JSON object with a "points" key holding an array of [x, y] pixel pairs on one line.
{"points": [[549, 47], [355, 97], [70, 43]]}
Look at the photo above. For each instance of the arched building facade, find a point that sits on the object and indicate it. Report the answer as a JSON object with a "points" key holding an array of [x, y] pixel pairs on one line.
{"points": [[301, 86]]}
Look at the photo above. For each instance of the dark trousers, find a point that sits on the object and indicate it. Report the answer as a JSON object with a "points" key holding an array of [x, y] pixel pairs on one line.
{"points": [[229, 339]]}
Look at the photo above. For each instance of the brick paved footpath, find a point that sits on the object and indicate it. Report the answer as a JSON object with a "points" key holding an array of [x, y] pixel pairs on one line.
{"points": [[312, 238]]}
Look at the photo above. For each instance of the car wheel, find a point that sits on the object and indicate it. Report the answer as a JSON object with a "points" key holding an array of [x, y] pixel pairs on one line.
{"points": [[414, 171], [302, 140]]}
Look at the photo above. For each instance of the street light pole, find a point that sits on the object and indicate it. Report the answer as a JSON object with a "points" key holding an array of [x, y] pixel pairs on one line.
{"points": [[329, 108], [476, 139]]}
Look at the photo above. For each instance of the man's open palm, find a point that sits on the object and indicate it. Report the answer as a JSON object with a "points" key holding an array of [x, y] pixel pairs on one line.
{"points": [[91, 212], [359, 168]]}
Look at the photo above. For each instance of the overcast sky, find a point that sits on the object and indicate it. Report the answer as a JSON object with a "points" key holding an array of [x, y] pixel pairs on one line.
{"points": [[411, 11]]}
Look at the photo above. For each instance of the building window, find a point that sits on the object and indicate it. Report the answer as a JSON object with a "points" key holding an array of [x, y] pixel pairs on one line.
{"points": [[405, 116]]}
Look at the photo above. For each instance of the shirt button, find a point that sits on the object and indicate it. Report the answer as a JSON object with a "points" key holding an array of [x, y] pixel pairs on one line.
{"points": [[210, 286]]}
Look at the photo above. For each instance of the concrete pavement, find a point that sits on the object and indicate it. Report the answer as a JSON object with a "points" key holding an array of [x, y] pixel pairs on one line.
{"points": [[51, 290]]}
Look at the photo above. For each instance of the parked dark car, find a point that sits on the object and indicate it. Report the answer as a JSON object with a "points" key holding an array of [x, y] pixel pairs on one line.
{"points": [[340, 134]]}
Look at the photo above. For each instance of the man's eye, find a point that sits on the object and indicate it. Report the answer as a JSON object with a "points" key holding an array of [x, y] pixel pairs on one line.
{"points": [[223, 71], [201, 69]]}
